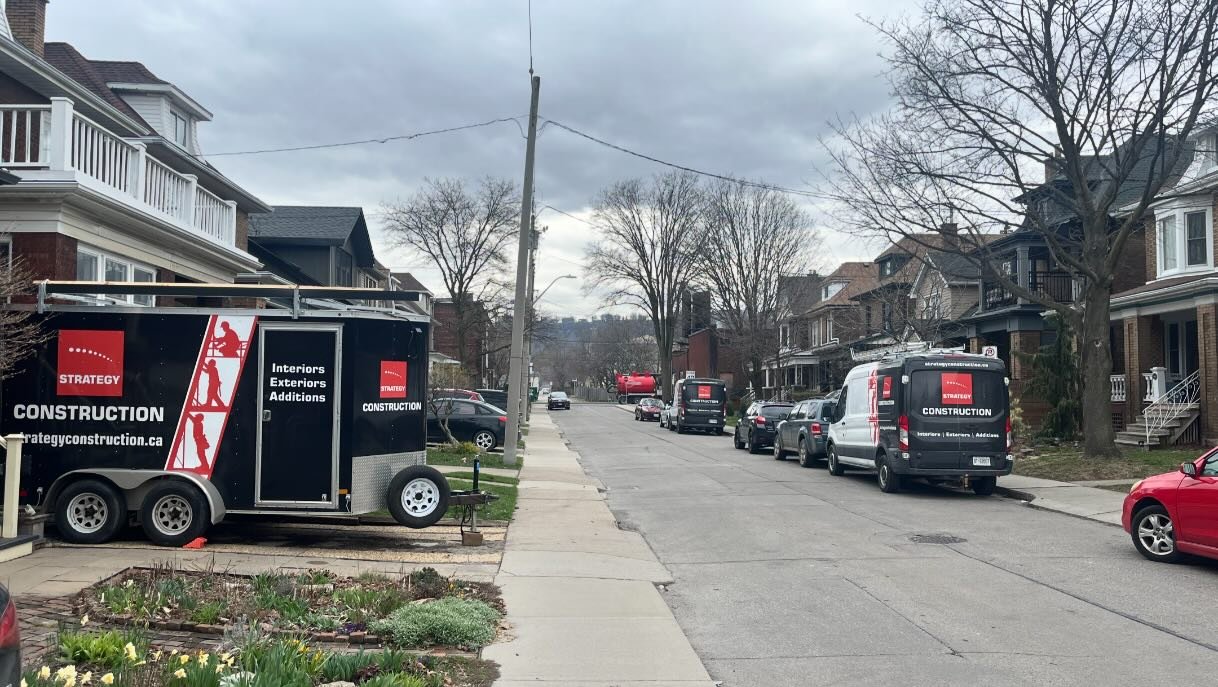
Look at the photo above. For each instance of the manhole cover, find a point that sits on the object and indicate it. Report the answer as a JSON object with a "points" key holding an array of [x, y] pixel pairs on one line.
{"points": [[936, 539]]}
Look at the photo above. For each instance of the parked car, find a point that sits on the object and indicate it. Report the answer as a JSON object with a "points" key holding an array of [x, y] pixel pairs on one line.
{"points": [[457, 393], [756, 427], [940, 416], [495, 397], [482, 423], [10, 641], [805, 431], [1172, 514], [698, 404], [558, 399], [648, 409]]}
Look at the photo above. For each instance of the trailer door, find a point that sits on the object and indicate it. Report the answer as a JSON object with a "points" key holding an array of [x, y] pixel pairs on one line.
{"points": [[298, 369]]}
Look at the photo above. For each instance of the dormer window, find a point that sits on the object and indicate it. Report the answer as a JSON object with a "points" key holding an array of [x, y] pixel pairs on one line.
{"points": [[830, 290], [1208, 147], [887, 267], [1185, 239], [181, 128]]}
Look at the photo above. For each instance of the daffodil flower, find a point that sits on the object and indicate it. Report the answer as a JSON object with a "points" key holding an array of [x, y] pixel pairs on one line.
{"points": [[84, 620], [129, 650], [86, 678], [184, 659], [107, 679], [179, 673], [44, 673]]}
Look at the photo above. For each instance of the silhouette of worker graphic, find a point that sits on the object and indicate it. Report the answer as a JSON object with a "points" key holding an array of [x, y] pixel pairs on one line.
{"points": [[201, 443], [213, 385], [230, 343]]}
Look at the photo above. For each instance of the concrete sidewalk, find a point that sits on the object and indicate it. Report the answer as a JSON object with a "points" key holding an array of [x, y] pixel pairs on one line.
{"points": [[1101, 505], [580, 592]]}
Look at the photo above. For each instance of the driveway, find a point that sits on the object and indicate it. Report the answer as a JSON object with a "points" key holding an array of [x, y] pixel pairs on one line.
{"points": [[788, 576]]}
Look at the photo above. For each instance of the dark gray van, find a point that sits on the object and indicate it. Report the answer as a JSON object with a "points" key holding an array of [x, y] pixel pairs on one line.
{"points": [[699, 404]]}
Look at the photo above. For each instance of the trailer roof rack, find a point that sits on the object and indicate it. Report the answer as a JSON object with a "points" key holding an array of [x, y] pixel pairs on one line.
{"points": [[295, 292]]}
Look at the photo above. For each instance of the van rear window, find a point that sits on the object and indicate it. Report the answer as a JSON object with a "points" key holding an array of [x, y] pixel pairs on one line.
{"points": [[963, 393], [704, 392]]}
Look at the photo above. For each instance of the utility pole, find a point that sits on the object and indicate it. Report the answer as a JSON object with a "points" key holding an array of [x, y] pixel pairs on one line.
{"points": [[522, 279], [526, 392]]}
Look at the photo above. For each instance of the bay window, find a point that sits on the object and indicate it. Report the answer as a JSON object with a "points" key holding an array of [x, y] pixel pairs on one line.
{"points": [[95, 265], [1185, 240]]}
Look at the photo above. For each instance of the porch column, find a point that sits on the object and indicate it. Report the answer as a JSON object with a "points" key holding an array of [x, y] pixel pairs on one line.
{"points": [[1143, 350], [1023, 342], [1022, 268], [974, 344], [1207, 361]]}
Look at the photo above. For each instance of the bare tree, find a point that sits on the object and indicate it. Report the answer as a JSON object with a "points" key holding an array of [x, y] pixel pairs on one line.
{"points": [[441, 379], [753, 237], [650, 234], [466, 233], [988, 93], [20, 334]]}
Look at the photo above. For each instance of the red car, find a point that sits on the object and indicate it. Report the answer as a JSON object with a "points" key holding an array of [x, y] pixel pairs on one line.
{"points": [[1175, 513]]}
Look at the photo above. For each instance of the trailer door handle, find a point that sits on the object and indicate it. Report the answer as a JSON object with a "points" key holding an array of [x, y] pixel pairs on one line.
{"points": [[266, 416]]}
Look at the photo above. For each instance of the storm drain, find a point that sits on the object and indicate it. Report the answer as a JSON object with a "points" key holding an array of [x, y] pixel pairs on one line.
{"points": [[936, 539]]}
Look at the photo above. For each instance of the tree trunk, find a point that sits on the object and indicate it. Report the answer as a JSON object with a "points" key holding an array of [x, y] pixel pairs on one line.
{"points": [[666, 371], [1096, 361], [757, 375]]}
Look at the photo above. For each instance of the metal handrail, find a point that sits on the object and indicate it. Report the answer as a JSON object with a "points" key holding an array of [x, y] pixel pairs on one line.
{"points": [[1171, 405]]}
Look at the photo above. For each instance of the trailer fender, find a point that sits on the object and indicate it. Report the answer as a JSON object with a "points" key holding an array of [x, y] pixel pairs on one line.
{"points": [[136, 483]]}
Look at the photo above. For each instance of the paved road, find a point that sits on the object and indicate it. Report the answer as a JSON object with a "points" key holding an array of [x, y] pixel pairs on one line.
{"points": [[788, 576]]}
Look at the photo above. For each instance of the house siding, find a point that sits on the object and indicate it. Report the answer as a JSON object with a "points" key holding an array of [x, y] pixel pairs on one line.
{"points": [[154, 109], [13, 92]]}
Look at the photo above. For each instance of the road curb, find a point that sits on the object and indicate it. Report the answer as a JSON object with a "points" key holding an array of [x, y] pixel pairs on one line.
{"points": [[1014, 493]]}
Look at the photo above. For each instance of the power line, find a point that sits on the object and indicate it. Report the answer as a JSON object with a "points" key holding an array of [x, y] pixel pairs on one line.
{"points": [[684, 168], [403, 137]]}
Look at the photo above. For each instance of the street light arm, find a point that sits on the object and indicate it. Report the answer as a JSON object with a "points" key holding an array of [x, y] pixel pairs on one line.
{"points": [[556, 280]]}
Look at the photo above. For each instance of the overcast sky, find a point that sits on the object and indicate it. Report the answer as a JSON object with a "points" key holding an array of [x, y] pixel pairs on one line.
{"points": [[729, 87]]}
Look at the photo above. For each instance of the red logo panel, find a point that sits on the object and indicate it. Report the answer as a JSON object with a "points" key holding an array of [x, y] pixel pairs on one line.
{"points": [[393, 379], [704, 391], [888, 387], [957, 388], [90, 363]]}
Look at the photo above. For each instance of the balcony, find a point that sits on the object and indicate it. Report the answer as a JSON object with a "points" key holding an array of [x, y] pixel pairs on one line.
{"points": [[1056, 286], [56, 138]]}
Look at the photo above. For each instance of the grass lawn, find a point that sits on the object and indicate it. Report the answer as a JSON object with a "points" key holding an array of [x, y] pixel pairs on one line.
{"points": [[482, 477], [443, 456], [1066, 463], [730, 421], [500, 509]]}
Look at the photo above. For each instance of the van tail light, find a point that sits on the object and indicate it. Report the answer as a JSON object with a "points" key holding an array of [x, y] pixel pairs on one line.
{"points": [[816, 428], [759, 421], [903, 432], [10, 631], [1010, 441]]}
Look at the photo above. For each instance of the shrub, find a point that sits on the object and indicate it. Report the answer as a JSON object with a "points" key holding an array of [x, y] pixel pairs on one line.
{"points": [[451, 621], [104, 649], [428, 583], [467, 448], [209, 612]]}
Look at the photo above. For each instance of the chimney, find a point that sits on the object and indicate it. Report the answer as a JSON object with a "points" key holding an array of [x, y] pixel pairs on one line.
{"points": [[28, 19], [1053, 163], [949, 229]]}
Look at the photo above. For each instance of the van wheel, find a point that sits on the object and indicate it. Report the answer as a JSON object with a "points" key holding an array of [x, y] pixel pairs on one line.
{"points": [[889, 481], [983, 486], [89, 511], [174, 513], [835, 468], [418, 496]]}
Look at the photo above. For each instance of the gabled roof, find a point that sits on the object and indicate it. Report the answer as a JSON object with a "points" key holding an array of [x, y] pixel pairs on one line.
{"points": [[315, 225], [801, 291], [859, 278], [68, 60], [115, 71], [409, 282]]}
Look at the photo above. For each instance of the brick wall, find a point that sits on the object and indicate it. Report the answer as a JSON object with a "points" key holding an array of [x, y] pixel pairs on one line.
{"points": [[1143, 350], [46, 256], [1130, 269], [700, 357], [1150, 245], [1023, 342], [243, 230], [27, 19], [1207, 356]]}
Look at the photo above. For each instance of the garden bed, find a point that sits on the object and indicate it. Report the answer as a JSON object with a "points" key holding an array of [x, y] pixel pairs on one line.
{"points": [[247, 657], [422, 609]]}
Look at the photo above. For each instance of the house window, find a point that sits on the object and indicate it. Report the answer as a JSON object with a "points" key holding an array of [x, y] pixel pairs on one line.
{"points": [[886, 268], [887, 314], [1185, 241], [6, 252], [867, 317], [343, 263], [829, 329], [815, 333], [181, 128], [830, 290], [95, 265], [934, 306], [784, 337], [1208, 145]]}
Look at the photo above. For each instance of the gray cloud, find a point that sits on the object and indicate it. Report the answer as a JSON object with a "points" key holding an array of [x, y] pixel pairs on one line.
{"points": [[734, 88]]}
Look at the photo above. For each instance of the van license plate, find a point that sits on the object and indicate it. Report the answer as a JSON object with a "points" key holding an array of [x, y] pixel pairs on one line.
{"points": [[981, 460], [713, 421]]}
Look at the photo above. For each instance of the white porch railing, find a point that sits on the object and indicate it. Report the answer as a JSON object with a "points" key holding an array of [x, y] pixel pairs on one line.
{"points": [[57, 138], [23, 135], [1118, 387], [1152, 383], [1177, 401]]}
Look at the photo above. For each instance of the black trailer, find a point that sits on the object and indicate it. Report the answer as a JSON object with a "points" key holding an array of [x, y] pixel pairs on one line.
{"points": [[178, 416]]}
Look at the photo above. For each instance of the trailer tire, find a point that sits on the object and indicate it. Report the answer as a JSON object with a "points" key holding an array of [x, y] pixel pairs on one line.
{"points": [[174, 513], [418, 496], [89, 511]]}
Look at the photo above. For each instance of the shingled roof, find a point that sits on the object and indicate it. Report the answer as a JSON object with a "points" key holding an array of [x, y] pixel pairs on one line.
{"points": [[860, 277], [323, 224], [114, 71], [83, 71]]}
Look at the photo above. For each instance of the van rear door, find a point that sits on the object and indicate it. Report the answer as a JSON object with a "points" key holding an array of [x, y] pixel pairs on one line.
{"points": [[957, 418], [703, 400]]}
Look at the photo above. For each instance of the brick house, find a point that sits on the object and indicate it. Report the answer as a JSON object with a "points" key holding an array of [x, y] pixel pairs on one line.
{"points": [[709, 355], [819, 338], [111, 182], [445, 339], [789, 369], [1168, 325]]}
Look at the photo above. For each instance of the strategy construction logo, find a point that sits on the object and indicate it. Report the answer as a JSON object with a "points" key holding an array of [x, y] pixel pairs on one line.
{"points": [[90, 363], [393, 379], [957, 388]]}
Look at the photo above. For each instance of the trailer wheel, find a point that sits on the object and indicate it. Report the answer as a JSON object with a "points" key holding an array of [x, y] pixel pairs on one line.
{"points": [[89, 511], [418, 496], [174, 513]]}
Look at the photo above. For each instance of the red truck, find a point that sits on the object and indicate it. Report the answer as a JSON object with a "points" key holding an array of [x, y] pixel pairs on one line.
{"points": [[636, 385]]}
